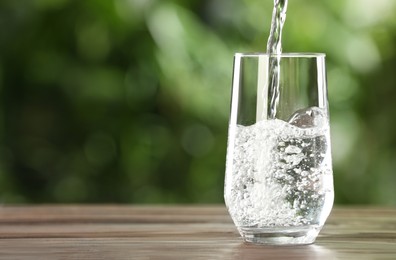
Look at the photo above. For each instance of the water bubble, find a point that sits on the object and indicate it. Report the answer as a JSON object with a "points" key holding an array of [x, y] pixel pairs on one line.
{"points": [[308, 117], [277, 171]]}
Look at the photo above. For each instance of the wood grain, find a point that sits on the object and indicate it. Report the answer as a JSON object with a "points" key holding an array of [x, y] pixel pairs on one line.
{"points": [[179, 232]]}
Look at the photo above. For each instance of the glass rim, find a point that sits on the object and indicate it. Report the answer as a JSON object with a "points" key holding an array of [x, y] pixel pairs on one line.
{"points": [[282, 55]]}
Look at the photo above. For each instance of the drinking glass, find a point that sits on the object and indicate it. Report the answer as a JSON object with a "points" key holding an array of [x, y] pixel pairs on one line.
{"points": [[279, 180]]}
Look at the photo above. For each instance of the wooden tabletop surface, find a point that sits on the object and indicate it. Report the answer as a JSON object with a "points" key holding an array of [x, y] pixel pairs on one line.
{"points": [[179, 232]]}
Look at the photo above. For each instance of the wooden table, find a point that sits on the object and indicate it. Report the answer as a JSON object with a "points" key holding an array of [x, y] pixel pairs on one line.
{"points": [[179, 232]]}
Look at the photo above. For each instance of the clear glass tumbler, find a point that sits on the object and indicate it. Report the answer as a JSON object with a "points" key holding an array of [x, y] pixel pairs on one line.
{"points": [[279, 179]]}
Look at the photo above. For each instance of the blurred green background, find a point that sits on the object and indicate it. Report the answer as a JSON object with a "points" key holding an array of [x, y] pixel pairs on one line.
{"points": [[127, 101]]}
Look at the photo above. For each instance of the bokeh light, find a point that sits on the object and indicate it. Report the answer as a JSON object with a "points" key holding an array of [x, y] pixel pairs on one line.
{"points": [[127, 101]]}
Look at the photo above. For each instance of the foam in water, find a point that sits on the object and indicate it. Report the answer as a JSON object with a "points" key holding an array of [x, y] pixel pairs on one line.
{"points": [[279, 173]]}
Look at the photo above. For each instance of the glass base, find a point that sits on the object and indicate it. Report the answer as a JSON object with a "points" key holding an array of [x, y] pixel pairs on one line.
{"points": [[303, 235]]}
